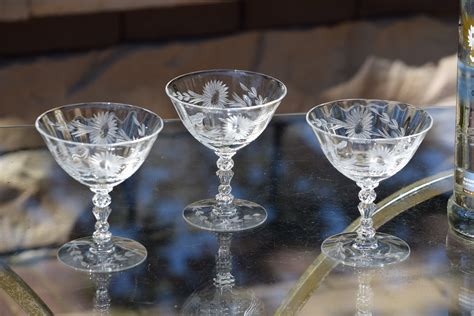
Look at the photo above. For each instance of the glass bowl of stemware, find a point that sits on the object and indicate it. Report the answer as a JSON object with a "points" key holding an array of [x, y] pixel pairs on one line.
{"points": [[225, 110], [368, 141], [100, 145]]}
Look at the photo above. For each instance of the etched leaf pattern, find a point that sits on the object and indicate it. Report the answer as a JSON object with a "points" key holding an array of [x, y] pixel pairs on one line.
{"points": [[233, 127], [215, 95], [359, 122], [102, 129], [367, 139]]}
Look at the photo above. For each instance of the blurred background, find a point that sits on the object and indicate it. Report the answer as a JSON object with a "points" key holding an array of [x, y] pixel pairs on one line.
{"points": [[55, 52]]}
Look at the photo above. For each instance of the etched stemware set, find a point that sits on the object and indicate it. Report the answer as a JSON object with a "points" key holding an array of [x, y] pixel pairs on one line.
{"points": [[102, 144]]}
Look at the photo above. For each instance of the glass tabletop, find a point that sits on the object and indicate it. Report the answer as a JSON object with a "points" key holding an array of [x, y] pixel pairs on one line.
{"points": [[279, 262]]}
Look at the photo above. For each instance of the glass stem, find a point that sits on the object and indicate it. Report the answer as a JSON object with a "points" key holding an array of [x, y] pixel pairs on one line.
{"points": [[365, 294], [102, 236], [102, 297], [366, 232], [224, 198], [224, 278]]}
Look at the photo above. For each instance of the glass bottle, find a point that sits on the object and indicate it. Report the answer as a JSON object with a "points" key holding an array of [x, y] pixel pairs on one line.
{"points": [[461, 204]]}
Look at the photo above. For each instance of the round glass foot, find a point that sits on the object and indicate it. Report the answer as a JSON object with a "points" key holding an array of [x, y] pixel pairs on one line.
{"points": [[389, 250], [247, 215], [125, 254], [227, 301]]}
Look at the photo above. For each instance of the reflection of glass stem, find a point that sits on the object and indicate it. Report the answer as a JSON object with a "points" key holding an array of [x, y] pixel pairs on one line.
{"points": [[366, 232], [466, 294], [364, 294], [102, 298], [102, 236], [224, 198], [224, 279]]}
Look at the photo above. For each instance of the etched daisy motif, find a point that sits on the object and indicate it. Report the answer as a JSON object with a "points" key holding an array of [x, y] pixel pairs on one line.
{"points": [[237, 127], [101, 128], [359, 123], [214, 95], [106, 164], [382, 155]]}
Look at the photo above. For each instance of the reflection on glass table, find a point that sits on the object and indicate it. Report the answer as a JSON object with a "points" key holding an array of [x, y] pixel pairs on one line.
{"points": [[222, 297], [283, 170]]}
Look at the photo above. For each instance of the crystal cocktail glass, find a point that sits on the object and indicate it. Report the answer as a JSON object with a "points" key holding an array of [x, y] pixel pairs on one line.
{"points": [[368, 141], [225, 110], [100, 145]]}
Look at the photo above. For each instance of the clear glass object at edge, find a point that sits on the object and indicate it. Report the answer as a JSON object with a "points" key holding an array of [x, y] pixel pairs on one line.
{"points": [[368, 141], [461, 204]]}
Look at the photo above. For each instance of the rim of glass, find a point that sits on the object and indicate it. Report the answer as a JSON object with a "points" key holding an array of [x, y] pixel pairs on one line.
{"points": [[223, 71], [99, 104], [424, 131]]}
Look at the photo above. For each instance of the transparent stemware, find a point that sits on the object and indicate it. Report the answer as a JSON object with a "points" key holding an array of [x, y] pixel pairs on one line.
{"points": [[222, 298], [101, 301], [100, 145], [368, 141], [225, 110]]}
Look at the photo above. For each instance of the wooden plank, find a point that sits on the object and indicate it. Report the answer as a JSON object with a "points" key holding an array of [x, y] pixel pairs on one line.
{"points": [[189, 20], [59, 33], [271, 13]]}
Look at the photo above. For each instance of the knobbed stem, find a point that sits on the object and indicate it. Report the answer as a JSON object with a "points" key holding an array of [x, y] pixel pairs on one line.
{"points": [[224, 198], [365, 294], [102, 236], [224, 278], [366, 232], [102, 297]]}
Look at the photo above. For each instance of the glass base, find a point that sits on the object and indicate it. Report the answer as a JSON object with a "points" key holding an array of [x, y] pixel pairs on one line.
{"points": [[389, 250], [125, 254], [229, 301], [247, 215], [461, 219]]}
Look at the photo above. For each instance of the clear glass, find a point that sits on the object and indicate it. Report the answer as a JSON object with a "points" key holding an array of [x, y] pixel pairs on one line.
{"points": [[222, 297], [100, 145], [461, 204], [225, 110], [368, 141]]}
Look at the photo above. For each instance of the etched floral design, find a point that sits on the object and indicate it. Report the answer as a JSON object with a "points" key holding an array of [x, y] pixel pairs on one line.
{"points": [[390, 127], [78, 154], [362, 122], [381, 155], [359, 123], [106, 164], [237, 126], [101, 128], [215, 94], [382, 158]]}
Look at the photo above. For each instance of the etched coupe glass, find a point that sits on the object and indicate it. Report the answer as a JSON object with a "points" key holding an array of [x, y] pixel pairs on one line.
{"points": [[225, 110], [368, 141], [100, 145]]}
